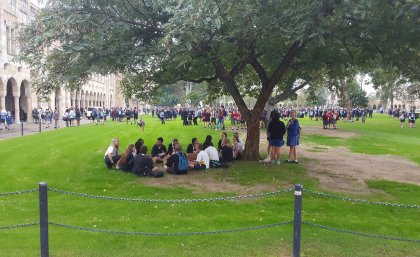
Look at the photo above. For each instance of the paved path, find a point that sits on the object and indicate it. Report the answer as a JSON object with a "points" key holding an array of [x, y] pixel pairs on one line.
{"points": [[32, 128]]}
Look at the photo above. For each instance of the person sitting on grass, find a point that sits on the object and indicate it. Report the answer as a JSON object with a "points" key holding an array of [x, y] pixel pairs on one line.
{"points": [[139, 143], [203, 161], [159, 150], [238, 148], [111, 155], [171, 146], [191, 150], [227, 151], [214, 157], [208, 142], [125, 163], [177, 164], [143, 164], [223, 135]]}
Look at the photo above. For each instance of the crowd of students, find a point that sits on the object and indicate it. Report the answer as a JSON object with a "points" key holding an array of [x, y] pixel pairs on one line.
{"points": [[198, 156]]}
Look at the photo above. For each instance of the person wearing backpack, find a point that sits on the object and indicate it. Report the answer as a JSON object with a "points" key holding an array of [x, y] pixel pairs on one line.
{"points": [[177, 164]]}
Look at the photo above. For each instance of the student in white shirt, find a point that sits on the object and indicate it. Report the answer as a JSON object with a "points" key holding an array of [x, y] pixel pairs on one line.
{"points": [[111, 156], [202, 161], [212, 153]]}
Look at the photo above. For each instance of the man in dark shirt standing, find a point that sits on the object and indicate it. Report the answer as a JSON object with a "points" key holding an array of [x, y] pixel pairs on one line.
{"points": [[159, 151], [172, 164], [143, 164]]}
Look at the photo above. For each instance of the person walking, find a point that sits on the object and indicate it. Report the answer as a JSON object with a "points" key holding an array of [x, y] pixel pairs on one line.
{"points": [[293, 134]]}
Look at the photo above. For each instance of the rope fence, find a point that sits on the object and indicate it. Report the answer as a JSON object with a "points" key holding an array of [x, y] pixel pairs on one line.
{"points": [[134, 233], [227, 198], [339, 230], [21, 192], [355, 200], [297, 221]]}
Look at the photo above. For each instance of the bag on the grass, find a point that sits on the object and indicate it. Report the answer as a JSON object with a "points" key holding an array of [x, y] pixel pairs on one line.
{"points": [[183, 162], [217, 164], [156, 174]]}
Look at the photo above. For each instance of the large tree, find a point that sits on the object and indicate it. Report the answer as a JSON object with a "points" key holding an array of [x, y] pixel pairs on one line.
{"points": [[241, 48]]}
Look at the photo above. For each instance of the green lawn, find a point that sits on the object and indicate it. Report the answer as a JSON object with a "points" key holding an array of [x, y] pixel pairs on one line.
{"points": [[72, 159], [380, 135]]}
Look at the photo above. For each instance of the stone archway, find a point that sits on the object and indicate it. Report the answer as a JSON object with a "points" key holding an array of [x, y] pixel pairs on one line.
{"points": [[12, 98]]}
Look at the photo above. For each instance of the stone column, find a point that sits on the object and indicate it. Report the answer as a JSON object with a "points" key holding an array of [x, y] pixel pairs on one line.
{"points": [[29, 102], [16, 95], [3, 100]]}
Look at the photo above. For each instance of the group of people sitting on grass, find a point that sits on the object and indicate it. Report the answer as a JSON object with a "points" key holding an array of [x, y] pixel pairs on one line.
{"points": [[199, 156]]}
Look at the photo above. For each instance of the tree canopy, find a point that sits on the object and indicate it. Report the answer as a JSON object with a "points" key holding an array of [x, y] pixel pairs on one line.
{"points": [[248, 47]]}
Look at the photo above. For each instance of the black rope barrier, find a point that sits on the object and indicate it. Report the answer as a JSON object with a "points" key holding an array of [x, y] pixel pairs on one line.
{"points": [[135, 233], [21, 192], [355, 200], [228, 198], [360, 233], [19, 226]]}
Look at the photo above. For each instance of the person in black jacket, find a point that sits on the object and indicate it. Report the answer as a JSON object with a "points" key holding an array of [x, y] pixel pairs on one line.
{"points": [[143, 164], [227, 151], [171, 146], [173, 161], [276, 129], [159, 150]]}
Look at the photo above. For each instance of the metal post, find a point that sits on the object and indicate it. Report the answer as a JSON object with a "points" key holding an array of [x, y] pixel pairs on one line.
{"points": [[21, 128], [43, 218], [39, 125], [297, 220]]}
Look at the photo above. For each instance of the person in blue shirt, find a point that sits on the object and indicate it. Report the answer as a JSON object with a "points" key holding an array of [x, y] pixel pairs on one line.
{"points": [[293, 133], [412, 119]]}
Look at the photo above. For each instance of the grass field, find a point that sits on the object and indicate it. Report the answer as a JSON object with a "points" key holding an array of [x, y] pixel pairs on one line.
{"points": [[72, 159]]}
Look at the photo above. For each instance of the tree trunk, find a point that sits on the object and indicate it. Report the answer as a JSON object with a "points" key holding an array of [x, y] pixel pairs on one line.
{"points": [[346, 98], [252, 145]]}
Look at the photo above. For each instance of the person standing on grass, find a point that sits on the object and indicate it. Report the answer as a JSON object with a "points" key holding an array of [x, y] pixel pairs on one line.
{"points": [[111, 156], [402, 119], [78, 115], [412, 119], [277, 129], [268, 159], [364, 114], [56, 117], [293, 133]]}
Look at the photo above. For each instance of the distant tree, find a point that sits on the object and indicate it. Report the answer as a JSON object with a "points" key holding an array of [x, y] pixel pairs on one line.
{"points": [[358, 97]]}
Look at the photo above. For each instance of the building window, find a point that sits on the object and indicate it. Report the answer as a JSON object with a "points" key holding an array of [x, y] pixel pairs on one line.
{"points": [[13, 5], [10, 40]]}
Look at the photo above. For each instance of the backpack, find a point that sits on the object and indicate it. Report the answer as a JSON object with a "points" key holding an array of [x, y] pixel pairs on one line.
{"points": [[183, 162]]}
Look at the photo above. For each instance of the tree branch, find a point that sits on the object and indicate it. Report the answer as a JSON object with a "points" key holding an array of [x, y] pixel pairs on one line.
{"points": [[286, 93]]}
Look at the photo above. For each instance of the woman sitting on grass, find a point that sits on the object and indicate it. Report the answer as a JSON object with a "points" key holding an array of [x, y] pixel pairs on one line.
{"points": [[227, 151], [125, 162], [208, 142], [111, 155]]}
